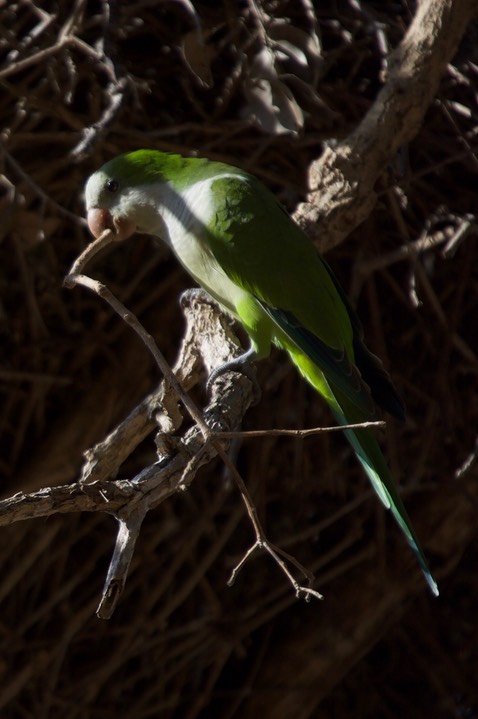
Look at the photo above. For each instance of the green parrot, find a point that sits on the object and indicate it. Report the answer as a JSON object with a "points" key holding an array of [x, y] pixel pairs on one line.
{"points": [[235, 239]]}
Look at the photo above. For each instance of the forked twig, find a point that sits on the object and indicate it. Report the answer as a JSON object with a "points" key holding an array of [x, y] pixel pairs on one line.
{"points": [[132, 514], [130, 500], [261, 540]]}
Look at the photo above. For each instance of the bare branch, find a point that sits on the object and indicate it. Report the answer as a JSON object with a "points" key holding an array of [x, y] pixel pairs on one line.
{"points": [[301, 433], [150, 480], [342, 182], [128, 533]]}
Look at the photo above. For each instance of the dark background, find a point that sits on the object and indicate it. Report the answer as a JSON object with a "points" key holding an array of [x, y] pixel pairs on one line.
{"points": [[260, 92]]}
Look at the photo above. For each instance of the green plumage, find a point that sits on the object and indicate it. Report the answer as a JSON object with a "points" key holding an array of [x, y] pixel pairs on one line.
{"points": [[233, 236], [299, 282]]}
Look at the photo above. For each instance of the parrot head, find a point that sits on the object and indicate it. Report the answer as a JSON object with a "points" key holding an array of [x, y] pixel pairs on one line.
{"points": [[120, 196], [108, 205]]}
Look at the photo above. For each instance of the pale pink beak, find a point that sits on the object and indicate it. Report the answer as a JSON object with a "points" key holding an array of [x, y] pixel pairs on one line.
{"points": [[100, 220]]}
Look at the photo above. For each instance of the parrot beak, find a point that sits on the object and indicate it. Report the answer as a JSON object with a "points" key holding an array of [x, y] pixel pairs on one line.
{"points": [[100, 220]]}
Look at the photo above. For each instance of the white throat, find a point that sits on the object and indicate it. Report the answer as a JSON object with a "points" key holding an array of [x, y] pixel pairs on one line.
{"points": [[180, 219]]}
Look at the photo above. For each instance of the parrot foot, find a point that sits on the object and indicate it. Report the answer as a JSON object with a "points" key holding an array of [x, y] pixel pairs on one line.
{"points": [[194, 293], [238, 364]]}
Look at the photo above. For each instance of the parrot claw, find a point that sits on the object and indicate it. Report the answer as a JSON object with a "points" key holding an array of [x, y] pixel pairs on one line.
{"points": [[195, 293], [240, 364]]}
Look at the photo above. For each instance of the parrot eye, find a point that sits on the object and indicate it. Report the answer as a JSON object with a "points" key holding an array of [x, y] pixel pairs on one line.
{"points": [[112, 185]]}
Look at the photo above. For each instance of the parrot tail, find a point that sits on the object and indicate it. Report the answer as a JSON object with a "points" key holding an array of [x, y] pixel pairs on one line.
{"points": [[346, 389], [372, 460]]}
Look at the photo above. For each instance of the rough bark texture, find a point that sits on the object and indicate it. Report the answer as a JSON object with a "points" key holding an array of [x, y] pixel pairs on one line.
{"points": [[343, 181]]}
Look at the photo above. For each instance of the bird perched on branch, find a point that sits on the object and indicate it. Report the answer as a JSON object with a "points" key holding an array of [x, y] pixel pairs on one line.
{"points": [[239, 244]]}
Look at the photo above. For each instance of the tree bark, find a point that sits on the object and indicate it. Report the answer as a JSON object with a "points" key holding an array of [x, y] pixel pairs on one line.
{"points": [[342, 182]]}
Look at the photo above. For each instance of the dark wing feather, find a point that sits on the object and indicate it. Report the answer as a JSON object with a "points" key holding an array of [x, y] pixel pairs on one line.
{"points": [[334, 363], [370, 366]]}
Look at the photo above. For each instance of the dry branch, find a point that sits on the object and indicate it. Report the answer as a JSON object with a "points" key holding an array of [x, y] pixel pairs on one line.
{"points": [[132, 514], [130, 501], [135, 497], [343, 181], [181, 645]]}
